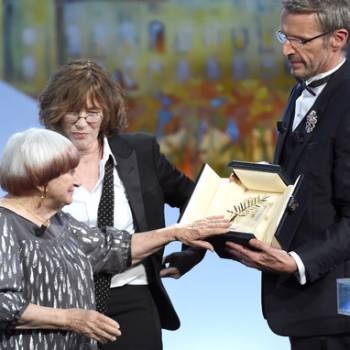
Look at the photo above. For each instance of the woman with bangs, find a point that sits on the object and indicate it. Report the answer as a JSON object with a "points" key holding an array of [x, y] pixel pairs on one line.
{"points": [[48, 258], [84, 104]]}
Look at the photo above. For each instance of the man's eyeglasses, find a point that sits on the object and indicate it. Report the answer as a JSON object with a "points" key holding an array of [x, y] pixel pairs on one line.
{"points": [[297, 42], [90, 117]]}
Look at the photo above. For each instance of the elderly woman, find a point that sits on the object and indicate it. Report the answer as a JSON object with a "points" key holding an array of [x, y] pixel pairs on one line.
{"points": [[47, 258], [84, 104]]}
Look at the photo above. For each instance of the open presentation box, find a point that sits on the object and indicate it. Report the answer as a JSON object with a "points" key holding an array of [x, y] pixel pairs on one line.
{"points": [[256, 198]]}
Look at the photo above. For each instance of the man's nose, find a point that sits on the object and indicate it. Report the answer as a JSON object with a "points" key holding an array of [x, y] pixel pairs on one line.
{"points": [[287, 49]]}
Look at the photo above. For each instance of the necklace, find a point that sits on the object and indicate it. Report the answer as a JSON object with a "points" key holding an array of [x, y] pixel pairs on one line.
{"points": [[15, 203]]}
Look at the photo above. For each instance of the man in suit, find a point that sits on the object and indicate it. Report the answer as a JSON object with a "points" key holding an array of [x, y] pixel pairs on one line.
{"points": [[125, 182], [299, 296]]}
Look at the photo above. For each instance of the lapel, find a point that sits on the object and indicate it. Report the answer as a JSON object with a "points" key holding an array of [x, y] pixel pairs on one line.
{"points": [[129, 174], [286, 121], [319, 107]]}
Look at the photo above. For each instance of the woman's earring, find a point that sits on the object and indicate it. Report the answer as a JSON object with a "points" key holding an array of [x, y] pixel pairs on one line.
{"points": [[43, 193]]}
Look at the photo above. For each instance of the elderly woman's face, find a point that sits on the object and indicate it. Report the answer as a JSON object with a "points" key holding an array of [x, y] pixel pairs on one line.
{"points": [[83, 128], [60, 190]]}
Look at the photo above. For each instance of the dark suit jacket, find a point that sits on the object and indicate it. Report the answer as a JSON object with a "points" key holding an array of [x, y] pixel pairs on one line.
{"points": [[150, 181], [322, 229]]}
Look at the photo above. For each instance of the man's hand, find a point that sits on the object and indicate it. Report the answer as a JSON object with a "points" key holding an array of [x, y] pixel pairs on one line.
{"points": [[262, 257]]}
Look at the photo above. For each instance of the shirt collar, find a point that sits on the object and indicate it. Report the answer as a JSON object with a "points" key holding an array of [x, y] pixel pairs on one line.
{"points": [[325, 74], [107, 152]]}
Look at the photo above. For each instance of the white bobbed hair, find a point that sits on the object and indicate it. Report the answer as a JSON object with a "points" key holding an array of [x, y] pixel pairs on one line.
{"points": [[34, 157]]}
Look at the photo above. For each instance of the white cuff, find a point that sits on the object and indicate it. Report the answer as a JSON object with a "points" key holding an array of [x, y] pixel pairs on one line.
{"points": [[300, 275]]}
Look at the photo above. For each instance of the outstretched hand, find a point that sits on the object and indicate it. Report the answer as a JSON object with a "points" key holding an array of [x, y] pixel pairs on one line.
{"points": [[194, 234], [262, 257]]}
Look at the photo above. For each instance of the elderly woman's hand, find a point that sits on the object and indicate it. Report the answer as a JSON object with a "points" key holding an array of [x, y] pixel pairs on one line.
{"points": [[193, 234], [92, 324], [88, 322], [145, 243]]}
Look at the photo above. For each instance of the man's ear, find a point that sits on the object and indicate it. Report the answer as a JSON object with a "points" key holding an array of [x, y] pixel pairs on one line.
{"points": [[339, 39]]}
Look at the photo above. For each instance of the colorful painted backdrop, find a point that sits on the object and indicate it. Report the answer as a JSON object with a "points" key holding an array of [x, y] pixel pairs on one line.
{"points": [[206, 77]]}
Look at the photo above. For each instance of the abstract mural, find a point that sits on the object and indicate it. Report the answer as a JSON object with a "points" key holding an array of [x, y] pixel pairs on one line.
{"points": [[206, 77]]}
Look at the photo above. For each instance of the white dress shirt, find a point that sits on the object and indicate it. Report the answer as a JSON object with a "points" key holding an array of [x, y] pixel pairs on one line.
{"points": [[305, 101], [84, 208], [302, 105]]}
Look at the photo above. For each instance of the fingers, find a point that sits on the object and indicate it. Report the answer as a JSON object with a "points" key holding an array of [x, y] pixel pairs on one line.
{"points": [[220, 222], [109, 326], [109, 323], [202, 245], [194, 233], [208, 227], [259, 245], [103, 336], [94, 325], [242, 254], [234, 246], [164, 273], [263, 257], [103, 333], [211, 220], [235, 249], [172, 272]]}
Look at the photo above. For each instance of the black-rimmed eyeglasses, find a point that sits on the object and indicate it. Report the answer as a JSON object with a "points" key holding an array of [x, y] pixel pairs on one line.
{"points": [[297, 42], [90, 117]]}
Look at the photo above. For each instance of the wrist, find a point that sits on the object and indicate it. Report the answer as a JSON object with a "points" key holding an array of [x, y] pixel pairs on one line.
{"points": [[171, 233], [65, 319], [300, 268], [293, 267]]}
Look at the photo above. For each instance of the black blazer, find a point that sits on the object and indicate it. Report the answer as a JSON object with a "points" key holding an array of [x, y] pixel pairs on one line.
{"points": [[322, 228], [150, 181]]}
